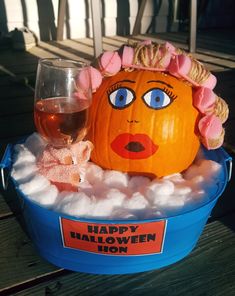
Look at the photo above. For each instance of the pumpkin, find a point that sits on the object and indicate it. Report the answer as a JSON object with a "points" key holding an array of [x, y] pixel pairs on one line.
{"points": [[143, 122]]}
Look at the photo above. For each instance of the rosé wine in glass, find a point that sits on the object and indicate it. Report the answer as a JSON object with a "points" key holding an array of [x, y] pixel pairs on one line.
{"points": [[60, 115], [61, 122]]}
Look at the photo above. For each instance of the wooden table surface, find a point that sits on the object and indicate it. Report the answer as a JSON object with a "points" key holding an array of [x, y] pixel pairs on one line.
{"points": [[208, 270]]}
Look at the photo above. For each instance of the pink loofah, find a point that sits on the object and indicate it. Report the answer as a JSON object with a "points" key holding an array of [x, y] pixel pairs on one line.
{"points": [[62, 166], [81, 151], [110, 63], [204, 99]]}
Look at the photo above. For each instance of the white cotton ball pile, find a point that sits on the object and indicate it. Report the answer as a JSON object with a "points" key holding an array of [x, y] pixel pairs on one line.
{"points": [[93, 173], [138, 183], [136, 202], [23, 155], [101, 207], [24, 172], [36, 184], [46, 197], [110, 194], [76, 204], [115, 197], [115, 179], [24, 164]]}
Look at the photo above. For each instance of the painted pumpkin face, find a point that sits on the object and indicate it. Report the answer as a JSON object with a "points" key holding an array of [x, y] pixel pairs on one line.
{"points": [[143, 122]]}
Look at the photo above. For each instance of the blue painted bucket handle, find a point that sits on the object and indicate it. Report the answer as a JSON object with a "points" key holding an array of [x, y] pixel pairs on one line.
{"points": [[6, 163], [229, 162]]}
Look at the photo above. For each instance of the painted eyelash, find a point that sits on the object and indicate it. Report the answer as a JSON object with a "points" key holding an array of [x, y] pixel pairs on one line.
{"points": [[170, 93], [113, 88]]}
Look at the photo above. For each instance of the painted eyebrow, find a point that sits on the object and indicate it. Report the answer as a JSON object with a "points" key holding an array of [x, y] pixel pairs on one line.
{"points": [[125, 80], [160, 81]]}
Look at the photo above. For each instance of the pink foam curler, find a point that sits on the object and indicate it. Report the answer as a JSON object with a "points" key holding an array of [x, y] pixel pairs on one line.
{"points": [[204, 99], [181, 66], [170, 47], [210, 126], [110, 63], [212, 132], [210, 82], [127, 56], [89, 77]]}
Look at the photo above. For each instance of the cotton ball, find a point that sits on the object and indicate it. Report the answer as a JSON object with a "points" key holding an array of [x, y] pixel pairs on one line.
{"points": [[176, 201], [115, 197], [157, 199], [136, 202], [136, 183], [101, 208], [35, 143], [120, 213], [74, 204], [159, 188], [86, 187], [22, 157], [46, 197], [36, 184], [93, 173], [175, 178], [23, 173], [20, 147], [115, 179], [100, 189], [181, 189]]}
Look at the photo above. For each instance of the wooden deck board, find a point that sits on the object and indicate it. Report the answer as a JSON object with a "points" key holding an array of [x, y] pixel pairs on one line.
{"points": [[4, 208], [18, 259]]}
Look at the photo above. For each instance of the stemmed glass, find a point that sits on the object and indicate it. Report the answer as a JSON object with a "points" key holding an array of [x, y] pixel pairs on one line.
{"points": [[61, 107]]}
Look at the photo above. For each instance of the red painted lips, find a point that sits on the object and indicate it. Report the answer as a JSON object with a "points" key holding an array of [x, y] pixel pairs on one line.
{"points": [[138, 146]]}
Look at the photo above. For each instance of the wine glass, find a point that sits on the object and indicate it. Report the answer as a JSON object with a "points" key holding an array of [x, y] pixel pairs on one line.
{"points": [[61, 107]]}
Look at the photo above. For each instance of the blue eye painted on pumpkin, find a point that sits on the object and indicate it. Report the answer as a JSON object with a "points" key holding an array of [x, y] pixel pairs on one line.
{"points": [[156, 98], [121, 97]]}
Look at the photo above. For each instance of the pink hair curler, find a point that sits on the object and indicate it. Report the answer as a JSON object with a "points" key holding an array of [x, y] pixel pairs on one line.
{"points": [[204, 99], [109, 63], [212, 132], [181, 67], [89, 77]]}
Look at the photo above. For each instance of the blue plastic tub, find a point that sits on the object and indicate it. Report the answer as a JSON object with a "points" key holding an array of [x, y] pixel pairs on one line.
{"points": [[116, 246]]}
